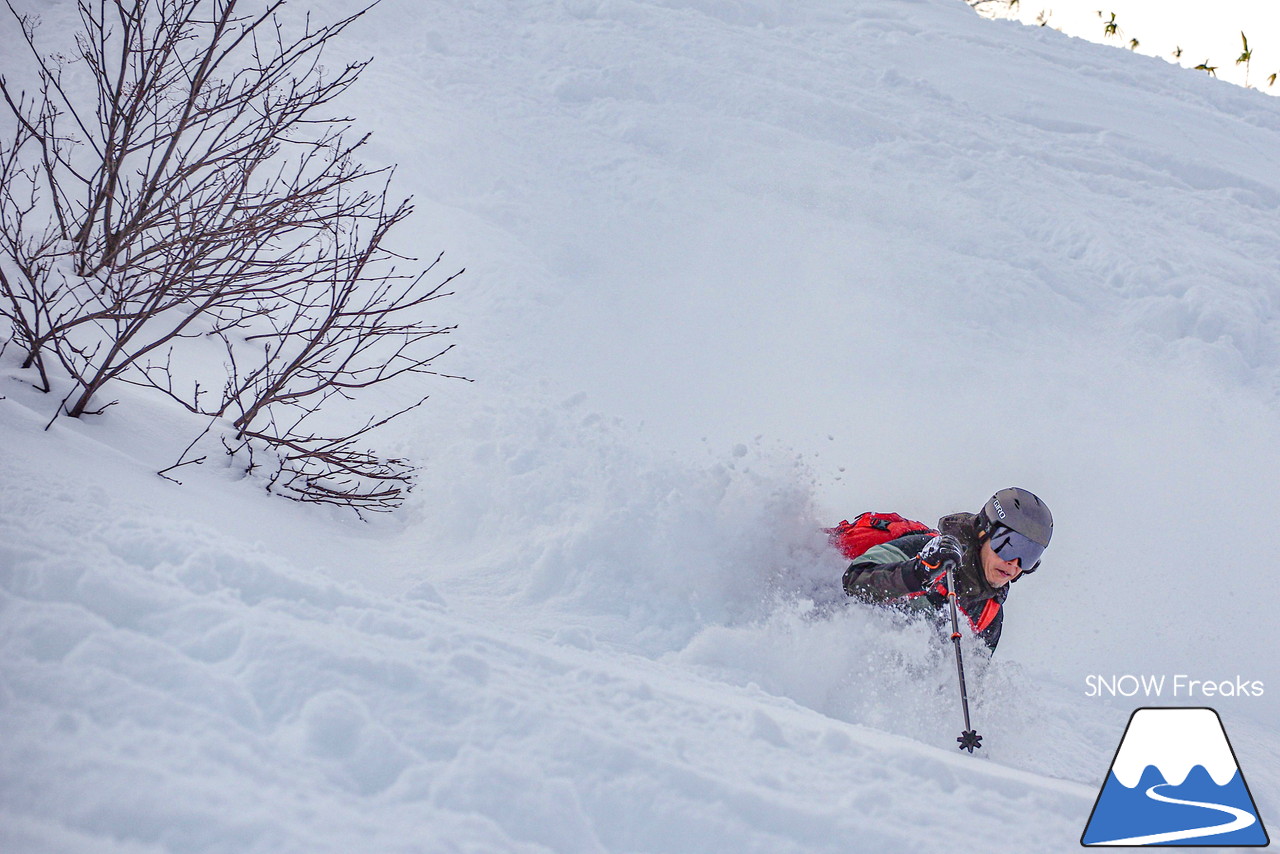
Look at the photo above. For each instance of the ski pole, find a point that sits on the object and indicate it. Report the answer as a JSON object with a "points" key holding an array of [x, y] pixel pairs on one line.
{"points": [[969, 739]]}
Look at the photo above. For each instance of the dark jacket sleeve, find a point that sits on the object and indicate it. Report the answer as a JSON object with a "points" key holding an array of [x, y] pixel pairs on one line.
{"points": [[888, 571]]}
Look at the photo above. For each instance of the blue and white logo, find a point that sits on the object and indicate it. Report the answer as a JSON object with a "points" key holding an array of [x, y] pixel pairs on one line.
{"points": [[1175, 781]]}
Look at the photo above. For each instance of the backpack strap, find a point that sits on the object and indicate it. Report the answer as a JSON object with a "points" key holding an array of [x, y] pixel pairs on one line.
{"points": [[988, 615]]}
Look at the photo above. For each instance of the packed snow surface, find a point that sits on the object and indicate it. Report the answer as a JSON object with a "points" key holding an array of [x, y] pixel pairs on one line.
{"points": [[736, 269]]}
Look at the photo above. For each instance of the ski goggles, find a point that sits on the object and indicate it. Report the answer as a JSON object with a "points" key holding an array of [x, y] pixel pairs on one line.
{"points": [[1011, 546]]}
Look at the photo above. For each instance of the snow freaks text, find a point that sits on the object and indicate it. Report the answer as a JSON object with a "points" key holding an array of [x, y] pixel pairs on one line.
{"points": [[1179, 685]]}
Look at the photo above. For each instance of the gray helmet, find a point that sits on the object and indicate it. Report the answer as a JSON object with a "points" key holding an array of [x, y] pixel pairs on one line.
{"points": [[1018, 525], [1018, 510]]}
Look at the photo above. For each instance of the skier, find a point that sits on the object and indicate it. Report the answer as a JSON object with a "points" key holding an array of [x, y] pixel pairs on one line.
{"points": [[991, 548]]}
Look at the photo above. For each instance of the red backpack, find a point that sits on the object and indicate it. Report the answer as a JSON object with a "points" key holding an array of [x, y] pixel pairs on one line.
{"points": [[871, 529]]}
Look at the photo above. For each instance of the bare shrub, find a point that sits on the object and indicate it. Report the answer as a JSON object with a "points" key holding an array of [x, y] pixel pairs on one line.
{"points": [[176, 178]]}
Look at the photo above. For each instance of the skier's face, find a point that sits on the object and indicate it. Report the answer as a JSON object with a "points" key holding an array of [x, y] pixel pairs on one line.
{"points": [[998, 572]]}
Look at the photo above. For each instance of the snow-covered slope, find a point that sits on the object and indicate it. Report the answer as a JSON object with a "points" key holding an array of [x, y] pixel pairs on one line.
{"points": [[736, 269], [170, 687]]}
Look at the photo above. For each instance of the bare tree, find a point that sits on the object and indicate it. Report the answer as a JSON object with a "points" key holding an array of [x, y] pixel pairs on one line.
{"points": [[343, 339], [193, 188]]}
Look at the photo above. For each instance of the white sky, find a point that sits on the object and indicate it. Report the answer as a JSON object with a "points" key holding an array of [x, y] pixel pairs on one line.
{"points": [[1204, 29]]}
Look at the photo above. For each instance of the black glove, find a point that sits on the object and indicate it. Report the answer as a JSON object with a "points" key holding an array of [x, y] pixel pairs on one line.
{"points": [[931, 566], [935, 555]]}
